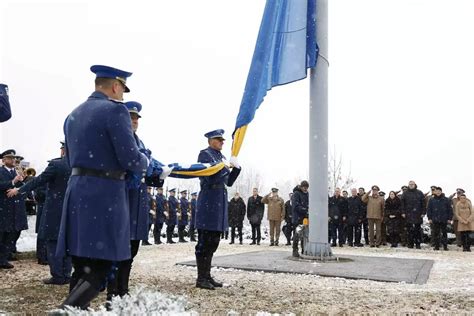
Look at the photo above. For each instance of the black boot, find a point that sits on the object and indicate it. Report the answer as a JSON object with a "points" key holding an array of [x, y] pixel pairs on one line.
{"points": [[169, 238], [215, 283], [202, 282], [81, 296]]}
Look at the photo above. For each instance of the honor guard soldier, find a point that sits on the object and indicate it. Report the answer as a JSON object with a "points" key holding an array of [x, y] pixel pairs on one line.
{"points": [[13, 213], [5, 110], [192, 221], [55, 177], [100, 149], [183, 218], [172, 218], [211, 213], [160, 215]]}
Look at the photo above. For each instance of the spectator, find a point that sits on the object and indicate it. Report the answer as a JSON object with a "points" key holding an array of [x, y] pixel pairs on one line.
{"points": [[392, 212], [465, 217], [288, 227], [413, 209], [255, 209], [275, 214], [440, 213], [355, 216], [337, 217], [403, 222], [300, 201], [375, 205], [365, 223], [455, 200], [236, 217]]}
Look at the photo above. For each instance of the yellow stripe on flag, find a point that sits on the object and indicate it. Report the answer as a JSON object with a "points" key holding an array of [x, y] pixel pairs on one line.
{"points": [[239, 136], [203, 173]]}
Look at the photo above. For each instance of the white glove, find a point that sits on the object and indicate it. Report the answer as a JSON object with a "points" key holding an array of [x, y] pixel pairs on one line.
{"points": [[234, 162], [166, 172]]}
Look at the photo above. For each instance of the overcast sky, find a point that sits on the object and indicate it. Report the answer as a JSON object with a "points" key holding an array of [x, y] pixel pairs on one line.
{"points": [[401, 83]]}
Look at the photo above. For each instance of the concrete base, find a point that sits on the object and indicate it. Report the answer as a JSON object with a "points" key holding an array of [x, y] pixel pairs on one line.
{"points": [[384, 269]]}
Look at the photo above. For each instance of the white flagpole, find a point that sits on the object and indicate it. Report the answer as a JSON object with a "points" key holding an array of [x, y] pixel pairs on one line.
{"points": [[317, 245]]}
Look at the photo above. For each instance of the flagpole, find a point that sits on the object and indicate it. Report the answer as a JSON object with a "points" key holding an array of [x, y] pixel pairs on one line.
{"points": [[317, 245]]}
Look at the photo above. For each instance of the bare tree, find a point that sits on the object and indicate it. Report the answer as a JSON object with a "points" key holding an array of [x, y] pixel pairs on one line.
{"points": [[338, 177], [248, 179]]}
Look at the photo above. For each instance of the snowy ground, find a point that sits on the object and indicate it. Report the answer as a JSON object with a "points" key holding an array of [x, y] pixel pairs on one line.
{"points": [[160, 285]]}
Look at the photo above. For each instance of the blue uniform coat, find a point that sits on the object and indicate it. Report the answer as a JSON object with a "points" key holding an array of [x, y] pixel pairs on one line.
{"points": [[440, 209], [160, 209], [192, 223], [96, 215], [211, 213], [55, 177], [12, 210], [172, 211], [184, 203]]}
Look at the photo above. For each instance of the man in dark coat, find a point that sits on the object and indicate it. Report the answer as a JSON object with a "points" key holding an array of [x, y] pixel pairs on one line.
{"points": [[413, 210], [160, 217], [172, 218], [100, 149], [300, 202], [12, 210], [55, 177], [255, 210], [5, 110], [212, 212], [365, 221], [236, 217], [183, 217], [337, 217], [355, 216], [192, 223], [440, 213], [287, 229]]}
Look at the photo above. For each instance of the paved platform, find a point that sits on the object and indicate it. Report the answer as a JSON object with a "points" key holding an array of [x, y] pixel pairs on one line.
{"points": [[384, 269]]}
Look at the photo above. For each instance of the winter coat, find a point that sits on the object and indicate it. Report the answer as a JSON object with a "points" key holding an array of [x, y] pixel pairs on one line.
{"points": [[375, 205], [55, 177], [276, 207], [95, 222], [355, 210], [413, 206], [160, 217], [288, 212], [439, 209], [212, 212], [236, 212], [255, 210], [12, 210], [172, 218], [300, 202], [184, 206], [337, 207], [392, 208], [454, 201], [465, 216], [192, 222]]}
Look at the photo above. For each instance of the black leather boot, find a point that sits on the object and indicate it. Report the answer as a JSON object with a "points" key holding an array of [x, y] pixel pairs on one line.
{"points": [[202, 281], [81, 296], [215, 283]]}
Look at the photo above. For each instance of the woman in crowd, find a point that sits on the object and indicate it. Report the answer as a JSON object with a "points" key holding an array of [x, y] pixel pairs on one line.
{"points": [[392, 218]]}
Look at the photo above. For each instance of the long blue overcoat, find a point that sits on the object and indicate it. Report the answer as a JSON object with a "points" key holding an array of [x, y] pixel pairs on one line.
{"points": [[184, 203], [160, 209], [192, 223], [172, 211], [211, 213], [12, 210], [55, 177], [96, 215]]}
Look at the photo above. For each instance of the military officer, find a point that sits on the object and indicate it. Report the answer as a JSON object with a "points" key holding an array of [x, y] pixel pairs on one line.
{"points": [[211, 213], [183, 218], [192, 221], [160, 215], [100, 149], [12, 210], [172, 217], [5, 110], [55, 177]]}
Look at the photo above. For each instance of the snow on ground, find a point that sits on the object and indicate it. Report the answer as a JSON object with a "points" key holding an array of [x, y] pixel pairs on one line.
{"points": [[27, 241]]}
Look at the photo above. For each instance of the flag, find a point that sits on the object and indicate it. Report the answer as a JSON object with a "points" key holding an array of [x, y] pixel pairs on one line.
{"points": [[195, 170], [286, 47]]}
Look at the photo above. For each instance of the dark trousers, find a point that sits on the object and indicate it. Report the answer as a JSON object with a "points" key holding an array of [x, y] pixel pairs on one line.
{"points": [[414, 234], [336, 232], [232, 233], [169, 232], [365, 229], [207, 243], [192, 233], [438, 231], [118, 282], [297, 239], [256, 234], [466, 240], [353, 234], [94, 271], [181, 231], [287, 231], [17, 236], [148, 232], [7, 240], [225, 234], [59, 267], [157, 231], [41, 250]]}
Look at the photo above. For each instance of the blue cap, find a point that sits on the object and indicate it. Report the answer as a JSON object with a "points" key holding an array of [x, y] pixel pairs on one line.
{"points": [[172, 190], [184, 191], [134, 107], [8, 153], [218, 133], [110, 72], [194, 194]]}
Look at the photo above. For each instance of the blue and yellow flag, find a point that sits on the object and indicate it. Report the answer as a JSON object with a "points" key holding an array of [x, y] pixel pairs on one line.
{"points": [[286, 47]]}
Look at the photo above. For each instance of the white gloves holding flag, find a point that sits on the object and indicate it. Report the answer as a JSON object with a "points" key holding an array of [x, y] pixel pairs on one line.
{"points": [[166, 172], [234, 162]]}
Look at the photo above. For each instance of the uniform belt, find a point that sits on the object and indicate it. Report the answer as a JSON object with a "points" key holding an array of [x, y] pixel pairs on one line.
{"points": [[214, 186], [111, 174]]}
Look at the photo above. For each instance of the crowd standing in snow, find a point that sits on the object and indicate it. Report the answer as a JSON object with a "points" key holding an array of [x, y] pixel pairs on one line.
{"points": [[95, 204]]}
